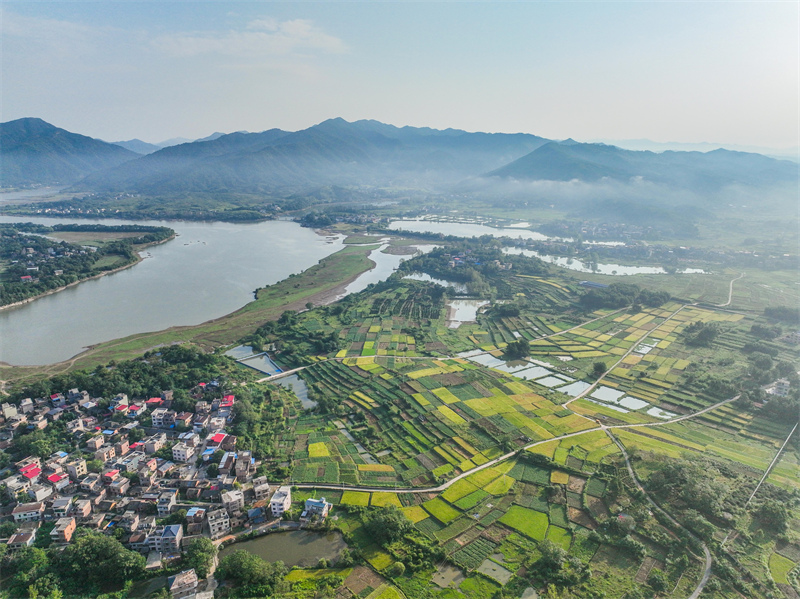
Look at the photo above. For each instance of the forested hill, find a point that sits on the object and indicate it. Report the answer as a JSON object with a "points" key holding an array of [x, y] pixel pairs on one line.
{"points": [[697, 171], [333, 152], [364, 154], [36, 152]]}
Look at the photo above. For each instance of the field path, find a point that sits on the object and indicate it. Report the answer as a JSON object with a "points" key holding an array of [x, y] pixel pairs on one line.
{"points": [[730, 292], [707, 572], [592, 387]]}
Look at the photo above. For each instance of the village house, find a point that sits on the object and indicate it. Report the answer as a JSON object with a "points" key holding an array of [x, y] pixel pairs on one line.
{"points": [[28, 512], [260, 487], [129, 521], [245, 466], [59, 481], [82, 508], [62, 506], [182, 452], [105, 453], [62, 533], [92, 483], [219, 523], [95, 443], [21, 539], [119, 487], [316, 507], [76, 469], [233, 501], [40, 492], [162, 418], [166, 502], [167, 539], [154, 443], [281, 501], [183, 584]]}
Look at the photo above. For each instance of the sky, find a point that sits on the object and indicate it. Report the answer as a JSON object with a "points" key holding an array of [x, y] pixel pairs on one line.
{"points": [[719, 72]]}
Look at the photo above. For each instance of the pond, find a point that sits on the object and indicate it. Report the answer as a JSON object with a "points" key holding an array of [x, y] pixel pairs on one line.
{"points": [[298, 385], [599, 269], [463, 310], [295, 548]]}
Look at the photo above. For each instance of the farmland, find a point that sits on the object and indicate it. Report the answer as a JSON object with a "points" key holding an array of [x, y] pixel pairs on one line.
{"points": [[418, 404], [504, 472]]}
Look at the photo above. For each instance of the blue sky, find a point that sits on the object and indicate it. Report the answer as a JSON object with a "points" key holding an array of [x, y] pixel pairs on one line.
{"points": [[724, 72]]}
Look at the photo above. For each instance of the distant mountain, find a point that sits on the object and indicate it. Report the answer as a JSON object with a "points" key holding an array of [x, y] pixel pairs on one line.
{"points": [[334, 152], [685, 170], [175, 141], [36, 152], [138, 146]]}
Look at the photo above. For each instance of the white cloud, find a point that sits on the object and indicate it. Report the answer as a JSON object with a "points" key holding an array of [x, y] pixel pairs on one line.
{"points": [[56, 38], [260, 39]]}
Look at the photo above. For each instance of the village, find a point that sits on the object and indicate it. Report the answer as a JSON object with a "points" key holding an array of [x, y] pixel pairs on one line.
{"points": [[130, 489]]}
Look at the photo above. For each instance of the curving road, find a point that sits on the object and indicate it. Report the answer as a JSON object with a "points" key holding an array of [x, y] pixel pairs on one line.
{"points": [[730, 292], [707, 572], [507, 456]]}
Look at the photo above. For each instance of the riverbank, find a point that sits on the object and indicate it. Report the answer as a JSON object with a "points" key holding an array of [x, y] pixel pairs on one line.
{"points": [[138, 259], [322, 284]]}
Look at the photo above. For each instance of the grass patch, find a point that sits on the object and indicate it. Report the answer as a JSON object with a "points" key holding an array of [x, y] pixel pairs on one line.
{"points": [[531, 523]]}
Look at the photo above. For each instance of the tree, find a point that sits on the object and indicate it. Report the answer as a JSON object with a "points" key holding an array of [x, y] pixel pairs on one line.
{"points": [[773, 514], [658, 581], [599, 369], [250, 575], [517, 350], [96, 560], [387, 525], [200, 556]]}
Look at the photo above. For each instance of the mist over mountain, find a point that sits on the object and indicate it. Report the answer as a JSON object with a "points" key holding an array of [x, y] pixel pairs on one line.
{"points": [[352, 157], [36, 152], [138, 146], [682, 170], [334, 152]]}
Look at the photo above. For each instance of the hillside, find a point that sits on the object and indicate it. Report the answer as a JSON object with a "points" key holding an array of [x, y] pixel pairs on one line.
{"points": [[334, 152], [697, 171], [35, 152]]}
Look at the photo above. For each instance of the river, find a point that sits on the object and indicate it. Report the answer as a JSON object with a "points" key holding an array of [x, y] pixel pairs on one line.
{"points": [[210, 270]]}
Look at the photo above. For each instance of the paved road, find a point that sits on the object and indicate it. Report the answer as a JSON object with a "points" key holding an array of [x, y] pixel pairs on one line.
{"points": [[508, 455], [707, 572]]}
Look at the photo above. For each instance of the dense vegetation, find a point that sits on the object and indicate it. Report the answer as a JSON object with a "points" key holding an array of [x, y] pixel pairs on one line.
{"points": [[32, 264]]}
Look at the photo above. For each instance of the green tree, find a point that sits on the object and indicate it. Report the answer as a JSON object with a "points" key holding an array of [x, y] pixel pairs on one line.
{"points": [[599, 369], [387, 525], [250, 575], [96, 560], [200, 556], [658, 581]]}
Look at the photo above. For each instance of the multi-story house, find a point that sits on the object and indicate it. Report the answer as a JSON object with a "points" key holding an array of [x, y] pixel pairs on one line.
{"points": [[76, 469], [260, 487], [167, 539], [219, 523], [166, 502], [62, 533], [281, 501], [182, 452], [233, 501]]}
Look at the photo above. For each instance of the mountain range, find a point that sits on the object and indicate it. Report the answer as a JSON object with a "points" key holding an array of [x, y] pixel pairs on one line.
{"points": [[356, 154]]}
